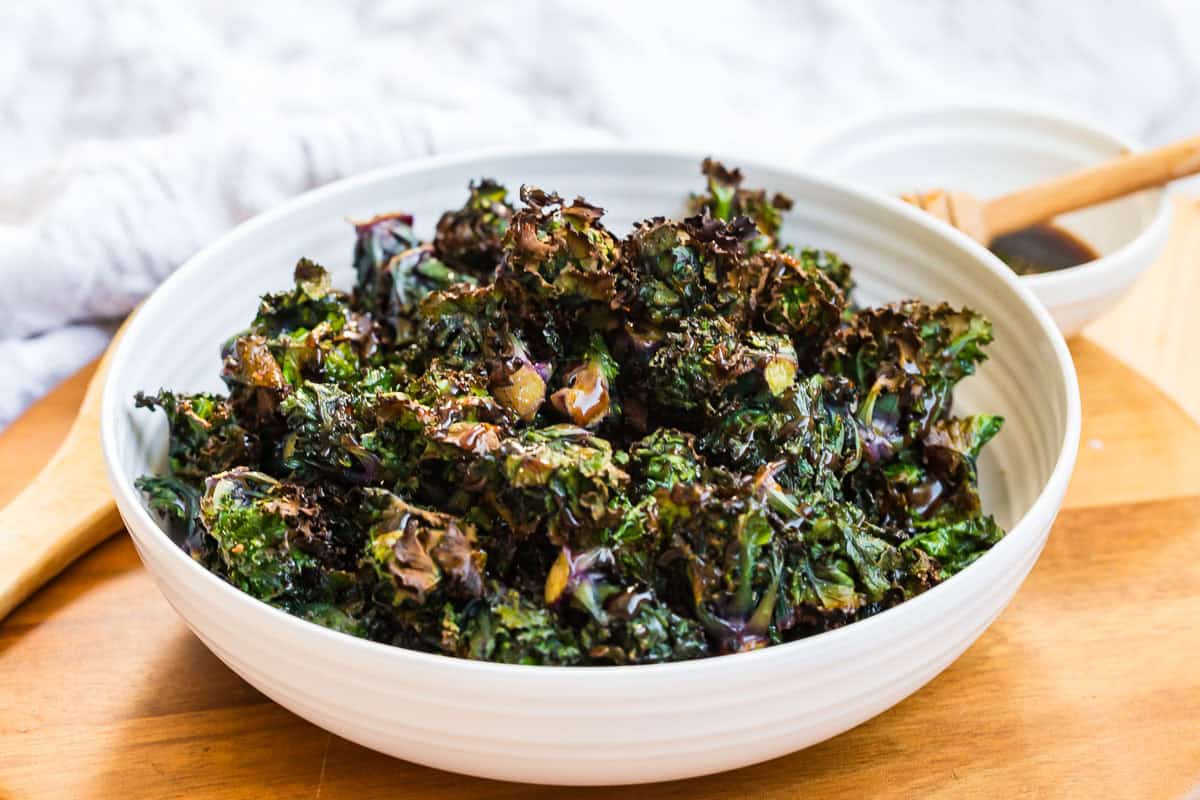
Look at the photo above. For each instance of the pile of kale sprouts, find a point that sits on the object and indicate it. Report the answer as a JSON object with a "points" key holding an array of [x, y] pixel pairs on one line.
{"points": [[529, 441]]}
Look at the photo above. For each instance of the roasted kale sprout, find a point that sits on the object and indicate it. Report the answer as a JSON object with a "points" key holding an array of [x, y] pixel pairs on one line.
{"points": [[531, 441]]}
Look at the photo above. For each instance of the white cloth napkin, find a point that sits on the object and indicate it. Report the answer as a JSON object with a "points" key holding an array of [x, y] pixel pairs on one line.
{"points": [[133, 132]]}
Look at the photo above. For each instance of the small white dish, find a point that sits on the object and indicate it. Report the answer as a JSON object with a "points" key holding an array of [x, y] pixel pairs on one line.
{"points": [[990, 149], [603, 725]]}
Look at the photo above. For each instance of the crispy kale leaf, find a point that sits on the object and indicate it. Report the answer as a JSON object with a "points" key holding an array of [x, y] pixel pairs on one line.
{"points": [[726, 200], [417, 552], [205, 435], [271, 536], [469, 239]]}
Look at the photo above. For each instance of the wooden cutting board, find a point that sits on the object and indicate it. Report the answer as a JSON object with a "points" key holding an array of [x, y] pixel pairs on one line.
{"points": [[1087, 686]]}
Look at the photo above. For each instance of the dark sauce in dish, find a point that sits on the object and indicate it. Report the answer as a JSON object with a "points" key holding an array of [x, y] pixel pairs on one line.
{"points": [[1042, 248]]}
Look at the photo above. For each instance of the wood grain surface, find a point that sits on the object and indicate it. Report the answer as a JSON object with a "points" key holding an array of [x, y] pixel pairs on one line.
{"points": [[1087, 686]]}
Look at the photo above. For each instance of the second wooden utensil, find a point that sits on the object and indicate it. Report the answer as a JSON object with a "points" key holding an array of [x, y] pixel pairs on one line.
{"points": [[984, 220], [67, 509]]}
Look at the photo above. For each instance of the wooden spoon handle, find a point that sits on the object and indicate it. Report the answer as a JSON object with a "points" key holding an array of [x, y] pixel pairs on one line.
{"points": [[65, 511], [58, 518], [1129, 173]]}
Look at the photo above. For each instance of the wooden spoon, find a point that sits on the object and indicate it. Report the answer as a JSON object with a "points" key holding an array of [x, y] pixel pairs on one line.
{"points": [[66, 510], [984, 220]]}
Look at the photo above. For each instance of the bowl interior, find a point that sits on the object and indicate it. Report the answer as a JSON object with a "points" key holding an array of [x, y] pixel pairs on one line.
{"points": [[986, 151], [175, 338]]}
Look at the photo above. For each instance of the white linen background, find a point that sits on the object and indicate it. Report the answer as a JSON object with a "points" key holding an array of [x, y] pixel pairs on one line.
{"points": [[133, 132]]}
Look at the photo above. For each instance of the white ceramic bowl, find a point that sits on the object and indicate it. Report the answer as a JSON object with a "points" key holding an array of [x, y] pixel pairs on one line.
{"points": [[989, 150], [598, 725]]}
